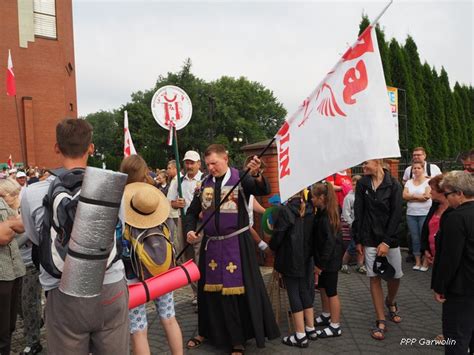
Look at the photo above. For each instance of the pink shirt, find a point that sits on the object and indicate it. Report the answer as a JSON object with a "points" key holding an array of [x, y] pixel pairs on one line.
{"points": [[433, 227]]}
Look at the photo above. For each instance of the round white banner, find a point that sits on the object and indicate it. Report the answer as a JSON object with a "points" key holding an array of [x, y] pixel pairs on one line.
{"points": [[171, 105]]}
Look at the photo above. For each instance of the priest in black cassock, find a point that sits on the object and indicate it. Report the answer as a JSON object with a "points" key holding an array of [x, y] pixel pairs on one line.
{"points": [[233, 305]]}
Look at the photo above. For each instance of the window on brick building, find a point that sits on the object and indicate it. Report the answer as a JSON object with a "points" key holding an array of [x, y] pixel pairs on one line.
{"points": [[44, 14]]}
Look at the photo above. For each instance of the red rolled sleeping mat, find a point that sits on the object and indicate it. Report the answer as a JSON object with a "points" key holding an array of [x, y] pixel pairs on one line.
{"points": [[173, 279]]}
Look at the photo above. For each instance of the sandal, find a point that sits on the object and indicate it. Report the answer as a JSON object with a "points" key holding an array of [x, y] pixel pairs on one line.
{"points": [[312, 334], [196, 343], [393, 314], [301, 343], [321, 320], [377, 329], [334, 332]]}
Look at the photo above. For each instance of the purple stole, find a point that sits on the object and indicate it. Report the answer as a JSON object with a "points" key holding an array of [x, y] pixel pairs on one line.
{"points": [[223, 263]]}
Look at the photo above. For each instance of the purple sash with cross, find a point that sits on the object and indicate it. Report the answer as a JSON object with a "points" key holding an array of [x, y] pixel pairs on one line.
{"points": [[223, 264]]}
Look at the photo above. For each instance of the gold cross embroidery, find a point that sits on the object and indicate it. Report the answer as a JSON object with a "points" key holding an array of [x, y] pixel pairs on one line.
{"points": [[231, 267], [213, 264]]}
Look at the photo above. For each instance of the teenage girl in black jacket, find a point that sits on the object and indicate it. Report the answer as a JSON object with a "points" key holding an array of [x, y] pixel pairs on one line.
{"points": [[327, 257], [291, 242]]}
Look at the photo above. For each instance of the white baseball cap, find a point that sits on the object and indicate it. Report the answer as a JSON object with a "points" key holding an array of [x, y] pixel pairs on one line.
{"points": [[20, 174], [192, 155]]}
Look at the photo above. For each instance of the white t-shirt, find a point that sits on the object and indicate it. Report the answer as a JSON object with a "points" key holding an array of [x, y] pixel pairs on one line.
{"points": [[417, 208], [188, 187], [174, 212]]}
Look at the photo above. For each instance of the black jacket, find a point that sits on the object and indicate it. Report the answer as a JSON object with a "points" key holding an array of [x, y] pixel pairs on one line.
{"points": [[327, 247], [377, 214], [292, 240], [453, 269]]}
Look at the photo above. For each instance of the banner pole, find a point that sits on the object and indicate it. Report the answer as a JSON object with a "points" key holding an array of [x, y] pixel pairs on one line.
{"points": [[381, 13], [178, 165]]}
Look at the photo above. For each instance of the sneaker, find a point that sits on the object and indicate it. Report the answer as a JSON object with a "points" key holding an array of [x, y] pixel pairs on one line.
{"points": [[194, 302], [416, 267], [361, 270], [424, 268], [33, 349], [345, 269]]}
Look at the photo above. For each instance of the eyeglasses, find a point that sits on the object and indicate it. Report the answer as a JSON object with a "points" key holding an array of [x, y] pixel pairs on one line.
{"points": [[446, 194]]}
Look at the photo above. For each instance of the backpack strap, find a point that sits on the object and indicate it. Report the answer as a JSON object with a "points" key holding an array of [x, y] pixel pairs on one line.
{"points": [[428, 169]]}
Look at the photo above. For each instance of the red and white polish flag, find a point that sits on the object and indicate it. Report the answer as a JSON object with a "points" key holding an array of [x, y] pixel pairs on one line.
{"points": [[128, 147], [343, 122], [11, 86]]}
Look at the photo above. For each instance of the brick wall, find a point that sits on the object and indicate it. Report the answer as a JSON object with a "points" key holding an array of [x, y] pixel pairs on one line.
{"points": [[46, 92]]}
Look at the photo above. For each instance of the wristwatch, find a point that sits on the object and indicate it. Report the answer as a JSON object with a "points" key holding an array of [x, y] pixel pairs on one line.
{"points": [[257, 175]]}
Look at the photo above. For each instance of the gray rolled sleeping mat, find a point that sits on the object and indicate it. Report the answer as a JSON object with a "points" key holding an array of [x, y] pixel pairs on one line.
{"points": [[92, 246]]}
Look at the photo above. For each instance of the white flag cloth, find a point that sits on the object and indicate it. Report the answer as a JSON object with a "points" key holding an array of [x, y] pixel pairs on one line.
{"points": [[128, 147], [345, 121]]}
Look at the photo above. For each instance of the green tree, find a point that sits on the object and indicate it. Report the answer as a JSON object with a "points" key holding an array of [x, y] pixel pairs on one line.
{"points": [[417, 134], [468, 105], [106, 138], [222, 109], [383, 46], [462, 117], [416, 75], [452, 121], [436, 115]]}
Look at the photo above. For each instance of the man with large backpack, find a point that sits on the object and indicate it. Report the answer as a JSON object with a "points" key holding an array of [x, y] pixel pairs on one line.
{"points": [[74, 325]]}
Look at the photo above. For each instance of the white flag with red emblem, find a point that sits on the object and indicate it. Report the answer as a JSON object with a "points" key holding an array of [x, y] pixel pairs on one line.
{"points": [[11, 86], [128, 147], [343, 122], [10, 162]]}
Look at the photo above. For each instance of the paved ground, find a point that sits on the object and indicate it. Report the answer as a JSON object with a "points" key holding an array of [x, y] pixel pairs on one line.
{"points": [[421, 321]]}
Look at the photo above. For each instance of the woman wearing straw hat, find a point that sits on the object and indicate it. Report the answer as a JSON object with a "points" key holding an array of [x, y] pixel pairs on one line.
{"points": [[146, 208]]}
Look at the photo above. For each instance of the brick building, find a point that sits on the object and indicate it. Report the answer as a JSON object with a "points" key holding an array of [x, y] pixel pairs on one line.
{"points": [[39, 34]]}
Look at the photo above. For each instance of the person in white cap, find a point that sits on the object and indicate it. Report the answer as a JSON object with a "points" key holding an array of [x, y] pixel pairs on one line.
{"points": [[21, 178], [191, 181]]}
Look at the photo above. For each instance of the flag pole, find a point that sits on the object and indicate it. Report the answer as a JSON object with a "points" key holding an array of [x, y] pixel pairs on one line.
{"points": [[20, 132], [381, 13], [226, 197], [178, 165]]}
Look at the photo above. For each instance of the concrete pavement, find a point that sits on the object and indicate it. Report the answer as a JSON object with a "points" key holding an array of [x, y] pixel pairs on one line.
{"points": [[421, 321]]}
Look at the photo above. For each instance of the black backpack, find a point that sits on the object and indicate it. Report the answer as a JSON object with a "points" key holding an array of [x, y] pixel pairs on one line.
{"points": [[60, 204]]}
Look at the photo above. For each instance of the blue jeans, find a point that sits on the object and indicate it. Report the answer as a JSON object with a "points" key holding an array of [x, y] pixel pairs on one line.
{"points": [[415, 223]]}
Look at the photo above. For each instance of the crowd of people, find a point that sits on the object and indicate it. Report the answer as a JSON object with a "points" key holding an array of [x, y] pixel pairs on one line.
{"points": [[205, 213]]}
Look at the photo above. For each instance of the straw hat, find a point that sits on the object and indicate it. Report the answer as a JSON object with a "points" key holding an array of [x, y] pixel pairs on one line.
{"points": [[145, 205]]}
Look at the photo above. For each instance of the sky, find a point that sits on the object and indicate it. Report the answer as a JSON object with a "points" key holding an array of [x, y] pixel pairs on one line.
{"points": [[123, 46]]}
